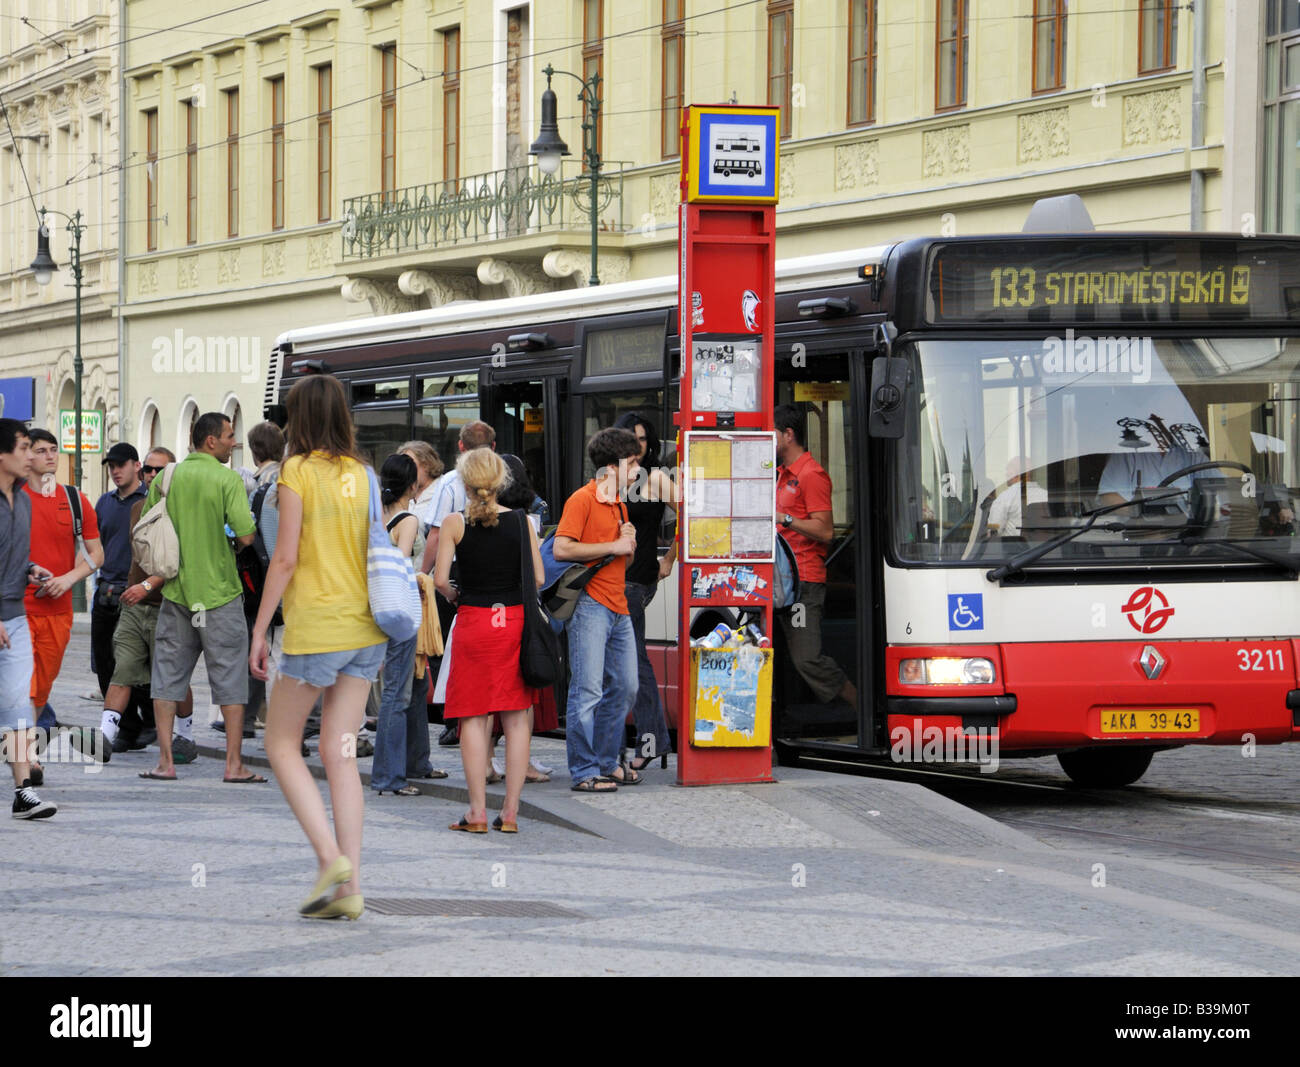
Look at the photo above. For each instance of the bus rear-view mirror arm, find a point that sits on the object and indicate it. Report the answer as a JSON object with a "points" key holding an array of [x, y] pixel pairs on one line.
{"points": [[888, 387]]}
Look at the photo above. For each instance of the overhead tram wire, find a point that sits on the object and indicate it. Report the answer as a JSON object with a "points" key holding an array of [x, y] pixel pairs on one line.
{"points": [[370, 97], [19, 156]]}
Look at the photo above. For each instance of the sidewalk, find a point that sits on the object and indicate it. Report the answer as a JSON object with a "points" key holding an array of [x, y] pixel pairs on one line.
{"points": [[818, 874]]}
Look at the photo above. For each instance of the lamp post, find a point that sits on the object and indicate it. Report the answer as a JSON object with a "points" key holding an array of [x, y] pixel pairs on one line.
{"points": [[548, 148], [43, 267]]}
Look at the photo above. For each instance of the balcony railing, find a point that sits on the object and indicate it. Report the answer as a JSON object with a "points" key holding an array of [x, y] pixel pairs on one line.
{"points": [[480, 207]]}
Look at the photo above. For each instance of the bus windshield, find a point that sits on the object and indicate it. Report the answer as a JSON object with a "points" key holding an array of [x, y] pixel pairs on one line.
{"points": [[1012, 443]]}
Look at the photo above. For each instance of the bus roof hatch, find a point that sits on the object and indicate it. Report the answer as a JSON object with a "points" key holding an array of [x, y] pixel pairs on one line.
{"points": [[1059, 214]]}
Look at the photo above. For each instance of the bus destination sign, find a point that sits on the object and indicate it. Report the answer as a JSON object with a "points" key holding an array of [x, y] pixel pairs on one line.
{"points": [[624, 350], [1136, 280]]}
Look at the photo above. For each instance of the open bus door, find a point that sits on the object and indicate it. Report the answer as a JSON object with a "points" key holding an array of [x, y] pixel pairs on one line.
{"points": [[525, 405], [830, 388]]}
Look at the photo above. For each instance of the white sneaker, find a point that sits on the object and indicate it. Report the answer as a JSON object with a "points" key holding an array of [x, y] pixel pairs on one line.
{"points": [[498, 766]]}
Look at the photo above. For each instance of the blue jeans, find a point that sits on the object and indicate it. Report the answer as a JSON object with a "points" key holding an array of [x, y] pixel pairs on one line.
{"points": [[602, 684], [402, 734], [648, 707]]}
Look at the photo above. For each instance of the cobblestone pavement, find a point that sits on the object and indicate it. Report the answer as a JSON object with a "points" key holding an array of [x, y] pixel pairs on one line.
{"points": [[819, 874]]}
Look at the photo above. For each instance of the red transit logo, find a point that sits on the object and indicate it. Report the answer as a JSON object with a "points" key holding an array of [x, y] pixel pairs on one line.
{"points": [[1147, 609]]}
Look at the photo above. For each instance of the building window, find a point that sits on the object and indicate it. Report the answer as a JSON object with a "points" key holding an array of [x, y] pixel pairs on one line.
{"points": [[1280, 186], [324, 142], [862, 62], [451, 104], [950, 55], [388, 121], [593, 54], [1049, 45], [151, 179], [1157, 35], [780, 59], [191, 173], [277, 153], [674, 55], [232, 162]]}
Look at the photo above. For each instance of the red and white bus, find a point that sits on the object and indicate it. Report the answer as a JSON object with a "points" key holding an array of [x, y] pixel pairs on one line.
{"points": [[1063, 472]]}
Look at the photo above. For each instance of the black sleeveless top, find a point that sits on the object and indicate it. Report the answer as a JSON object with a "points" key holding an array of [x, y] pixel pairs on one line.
{"points": [[488, 561], [646, 516]]}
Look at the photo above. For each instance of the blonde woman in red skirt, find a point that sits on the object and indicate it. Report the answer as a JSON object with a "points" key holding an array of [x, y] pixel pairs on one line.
{"points": [[485, 678]]}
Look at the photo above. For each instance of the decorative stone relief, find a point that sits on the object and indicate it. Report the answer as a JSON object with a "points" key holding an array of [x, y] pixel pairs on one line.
{"points": [[1153, 117], [519, 279], [787, 176], [665, 194], [187, 272], [857, 164], [319, 256], [383, 295], [1044, 134], [945, 151], [147, 278], [437, 289], [272, 259], [576, 264], [228, 266]]}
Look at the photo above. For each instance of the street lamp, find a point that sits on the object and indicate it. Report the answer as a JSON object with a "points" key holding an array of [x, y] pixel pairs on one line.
{"points": [[43, 268], [548, 148]]}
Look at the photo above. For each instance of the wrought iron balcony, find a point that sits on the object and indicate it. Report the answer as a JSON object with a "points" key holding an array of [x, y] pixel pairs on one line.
{"points": [[481, 207]]}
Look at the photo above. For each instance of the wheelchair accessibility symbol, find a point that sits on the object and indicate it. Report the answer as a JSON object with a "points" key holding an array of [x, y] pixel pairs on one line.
{"points": [[965, 611]]}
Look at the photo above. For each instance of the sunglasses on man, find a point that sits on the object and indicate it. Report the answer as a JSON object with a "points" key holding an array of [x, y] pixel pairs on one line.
{"points": [[150, 470]]}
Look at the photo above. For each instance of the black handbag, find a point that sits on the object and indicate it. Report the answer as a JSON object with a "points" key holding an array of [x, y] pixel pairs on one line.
{"points": [[539, 648]]}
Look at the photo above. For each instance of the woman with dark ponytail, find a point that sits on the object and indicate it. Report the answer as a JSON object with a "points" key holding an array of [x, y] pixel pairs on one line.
{"points": [[402, 733]]}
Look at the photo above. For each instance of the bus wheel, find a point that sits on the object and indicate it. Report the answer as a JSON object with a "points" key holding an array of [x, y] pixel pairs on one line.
{"points": [[1102, 768]]}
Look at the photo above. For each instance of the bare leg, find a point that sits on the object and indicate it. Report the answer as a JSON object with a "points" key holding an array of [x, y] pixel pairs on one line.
{"points": [[291, 701], [164, 714], [117, 698], [15, 746], [518, 732], [475, 751], [233, 714], [341, 718]]}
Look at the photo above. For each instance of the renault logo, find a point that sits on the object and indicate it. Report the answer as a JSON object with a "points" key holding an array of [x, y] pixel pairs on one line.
{"points": [[1151, 662]]}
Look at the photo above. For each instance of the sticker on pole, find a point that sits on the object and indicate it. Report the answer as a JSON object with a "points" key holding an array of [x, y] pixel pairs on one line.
{"points": [[733, 154], [965, 611]]}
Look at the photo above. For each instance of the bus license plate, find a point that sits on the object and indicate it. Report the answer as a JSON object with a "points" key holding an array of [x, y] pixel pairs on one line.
{"points": [[1150, 721]]}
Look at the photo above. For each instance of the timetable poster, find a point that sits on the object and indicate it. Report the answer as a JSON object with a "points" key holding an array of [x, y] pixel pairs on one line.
{"points": [[730, 496]]}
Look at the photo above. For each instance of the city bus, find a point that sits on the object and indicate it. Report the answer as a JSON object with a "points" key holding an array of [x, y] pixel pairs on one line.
{"points": [[1063, 474]]}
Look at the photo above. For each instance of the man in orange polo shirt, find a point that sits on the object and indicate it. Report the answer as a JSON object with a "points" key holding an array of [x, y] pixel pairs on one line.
{"points": [[54, 546], [602, 646], [803, 515]]}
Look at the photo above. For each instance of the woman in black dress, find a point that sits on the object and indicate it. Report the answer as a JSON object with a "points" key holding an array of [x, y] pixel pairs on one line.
{"points": [[646, 501]]}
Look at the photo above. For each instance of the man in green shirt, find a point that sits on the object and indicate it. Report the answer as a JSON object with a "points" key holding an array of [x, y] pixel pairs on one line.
{"points": [[202, 608]]}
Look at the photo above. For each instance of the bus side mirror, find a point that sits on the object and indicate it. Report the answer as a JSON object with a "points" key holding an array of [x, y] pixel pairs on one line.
{"points": [[889, 375]]}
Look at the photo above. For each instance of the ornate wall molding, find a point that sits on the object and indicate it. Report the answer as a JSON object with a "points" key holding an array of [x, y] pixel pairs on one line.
{"points": [[1153, 117], [437, 289], [572, 263], [272, 258], [228, 266], [857, 164], [787, 176], [945, 151], [187, 272], [384, 297], [146, 279], [665, 193], [319, 256], [1044, 134], [519, 279]]}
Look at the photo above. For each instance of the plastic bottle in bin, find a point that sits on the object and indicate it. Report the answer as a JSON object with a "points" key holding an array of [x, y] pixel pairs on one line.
{"points": [[757, 637], [715, 638]]}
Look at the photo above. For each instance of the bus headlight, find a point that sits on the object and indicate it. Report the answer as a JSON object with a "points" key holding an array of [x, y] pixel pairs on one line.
{"points": [[947, 671]]}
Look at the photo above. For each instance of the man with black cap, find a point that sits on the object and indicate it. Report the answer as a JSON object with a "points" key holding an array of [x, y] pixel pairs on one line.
{"points": [[114, 514]]}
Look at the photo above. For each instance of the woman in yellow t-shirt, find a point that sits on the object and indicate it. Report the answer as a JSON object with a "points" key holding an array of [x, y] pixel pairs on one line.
{"points": [[331, 641]]}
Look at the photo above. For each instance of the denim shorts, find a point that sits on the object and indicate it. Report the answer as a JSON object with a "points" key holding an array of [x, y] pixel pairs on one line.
{"points": [[322, 669], [16, 677]]}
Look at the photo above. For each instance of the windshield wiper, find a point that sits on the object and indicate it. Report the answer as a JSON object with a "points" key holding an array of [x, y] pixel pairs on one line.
{"points": [[1018, 563], [1286, 562]]}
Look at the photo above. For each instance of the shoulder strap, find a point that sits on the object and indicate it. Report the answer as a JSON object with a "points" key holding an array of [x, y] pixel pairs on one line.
{"points": [[167, 479], [398, 518], [74, 502], [259, 499], [525, 560]]}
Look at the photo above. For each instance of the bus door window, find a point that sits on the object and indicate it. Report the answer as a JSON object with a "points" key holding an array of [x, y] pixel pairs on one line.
{"points": [[381, 412], [446, 403], [817, 661], [520, 422]]}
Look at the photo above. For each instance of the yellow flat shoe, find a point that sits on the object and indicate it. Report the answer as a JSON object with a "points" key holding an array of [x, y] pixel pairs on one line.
{"points": [[336, 873], [349, 907]]}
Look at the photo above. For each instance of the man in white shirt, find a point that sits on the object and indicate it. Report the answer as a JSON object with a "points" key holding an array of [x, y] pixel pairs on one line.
{"points": [[1004, 516], [449, 490]]}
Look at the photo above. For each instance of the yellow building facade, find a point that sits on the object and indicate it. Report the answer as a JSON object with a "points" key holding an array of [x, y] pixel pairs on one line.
{"points": [[290, 164]]}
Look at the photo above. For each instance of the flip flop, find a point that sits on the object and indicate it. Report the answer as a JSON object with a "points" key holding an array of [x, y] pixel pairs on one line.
{"points": [[158, 777], [505, 827], [252, 779], [470, 827], [593, 785]]}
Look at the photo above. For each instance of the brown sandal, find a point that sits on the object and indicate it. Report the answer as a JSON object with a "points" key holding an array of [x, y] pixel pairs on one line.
{"points": [[470, 827], [505, 827]]}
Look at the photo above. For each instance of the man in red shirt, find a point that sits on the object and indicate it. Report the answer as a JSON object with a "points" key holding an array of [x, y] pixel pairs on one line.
{"points": [[803, 515], [54, 546]]}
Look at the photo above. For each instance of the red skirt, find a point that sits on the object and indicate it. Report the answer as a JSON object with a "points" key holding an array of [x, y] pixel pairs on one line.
{"points": [[485, 673]]}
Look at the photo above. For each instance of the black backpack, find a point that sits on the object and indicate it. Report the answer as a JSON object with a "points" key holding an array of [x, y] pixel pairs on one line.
{"points": [[253, 561]]}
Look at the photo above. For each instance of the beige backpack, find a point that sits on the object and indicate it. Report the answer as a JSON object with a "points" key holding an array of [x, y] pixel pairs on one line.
{"points": [[154, 539]]}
